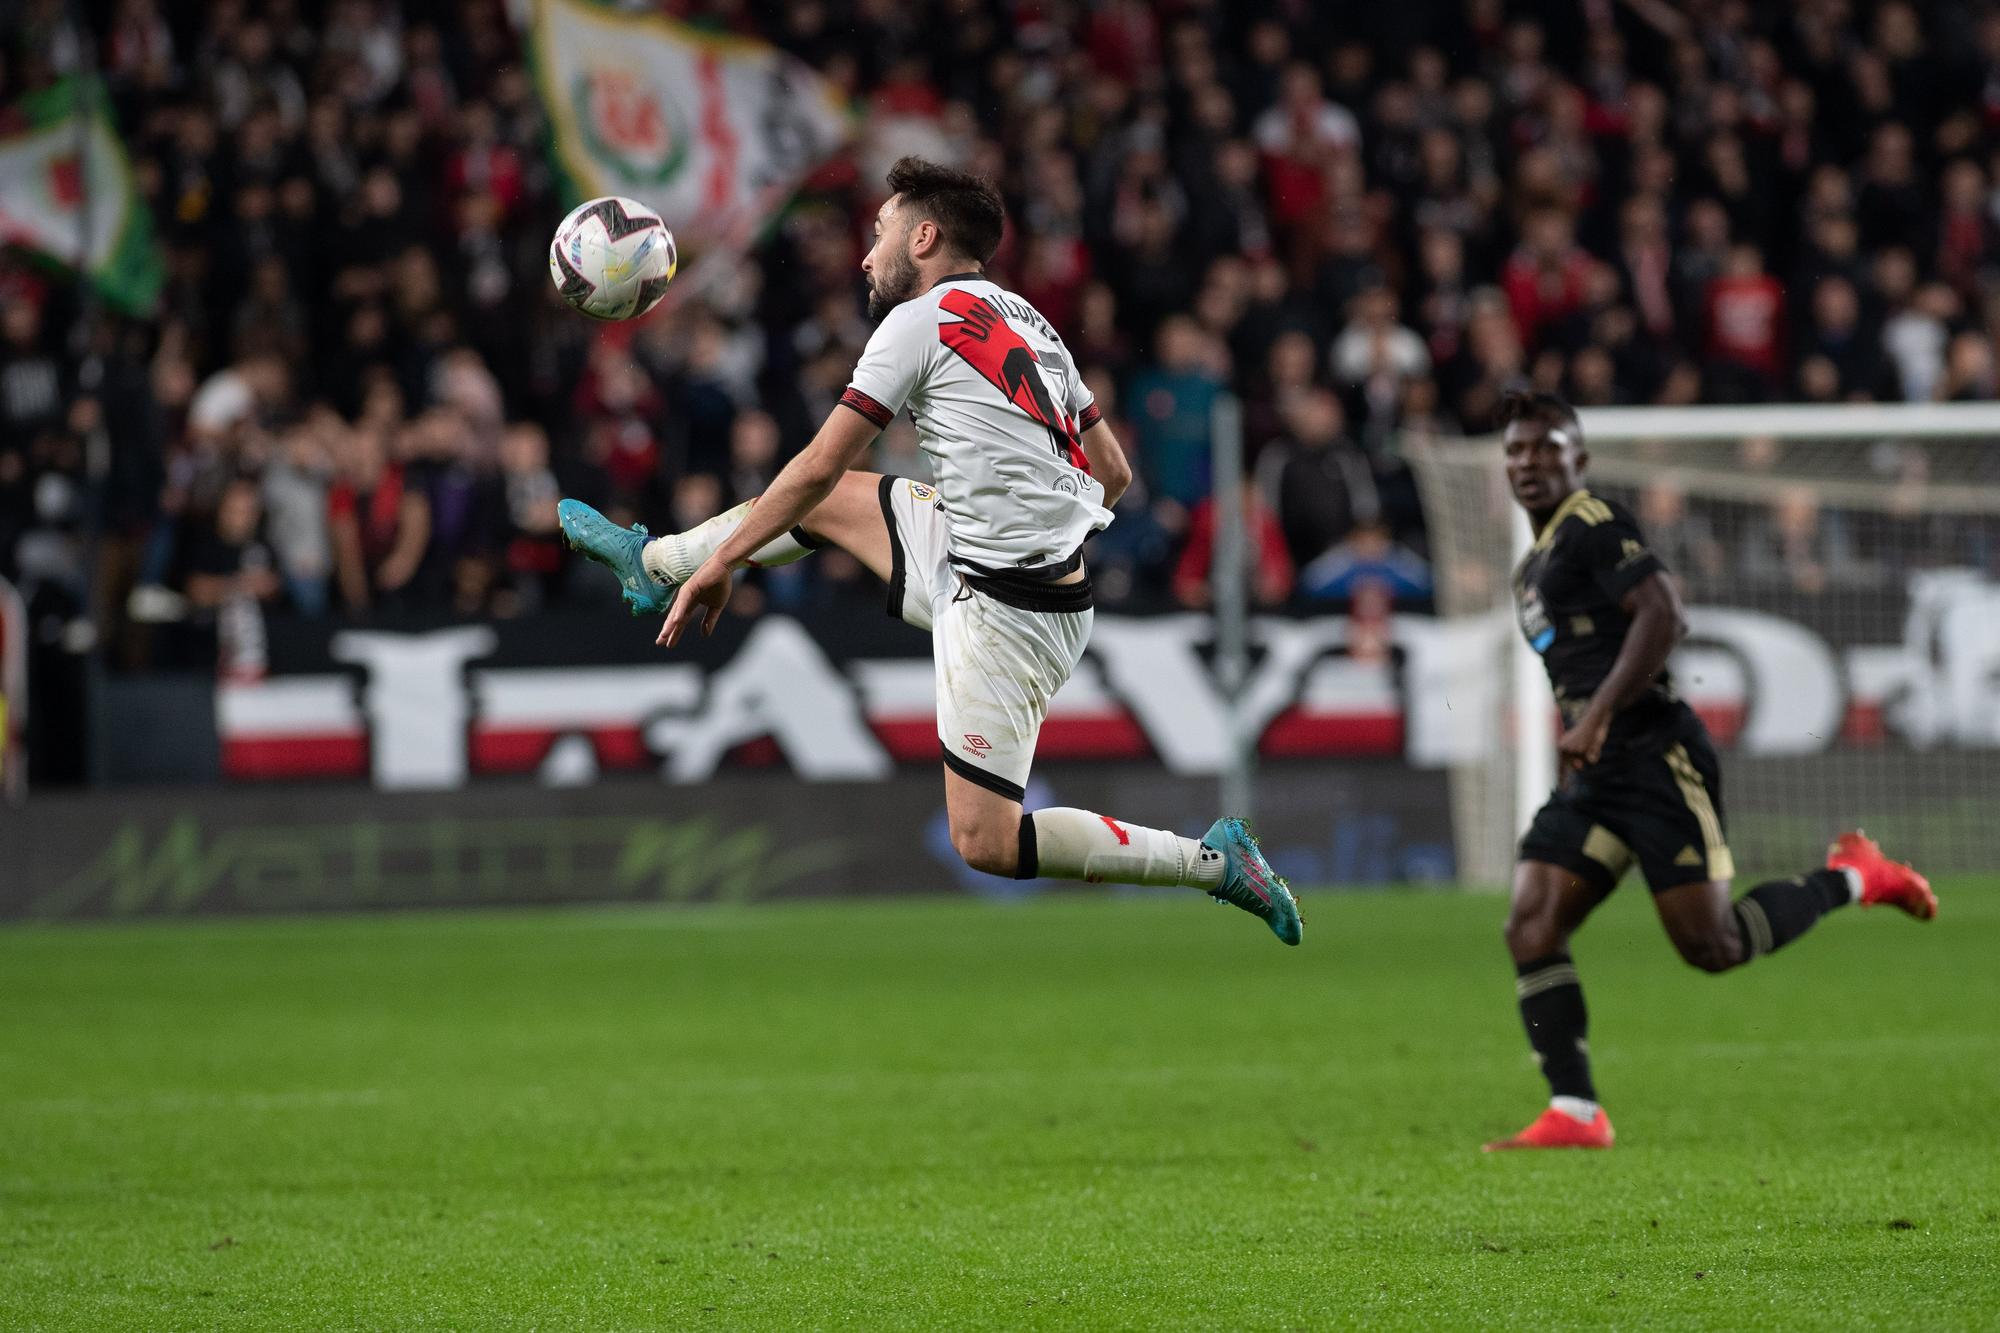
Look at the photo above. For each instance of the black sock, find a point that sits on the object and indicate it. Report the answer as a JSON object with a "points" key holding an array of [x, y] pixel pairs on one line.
{"points": [[1028, 856], [1772, 915], [1552, 1011]]}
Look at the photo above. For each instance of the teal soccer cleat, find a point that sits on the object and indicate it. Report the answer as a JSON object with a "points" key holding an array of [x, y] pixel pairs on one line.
{"points": [[1249, 882], [618, 550]]}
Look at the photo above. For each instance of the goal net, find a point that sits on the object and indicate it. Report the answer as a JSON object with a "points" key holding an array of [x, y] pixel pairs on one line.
{"points": [[1839, 566]]}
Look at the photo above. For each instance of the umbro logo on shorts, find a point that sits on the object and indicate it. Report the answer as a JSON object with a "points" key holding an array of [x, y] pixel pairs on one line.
{"points": [[977, 746]]}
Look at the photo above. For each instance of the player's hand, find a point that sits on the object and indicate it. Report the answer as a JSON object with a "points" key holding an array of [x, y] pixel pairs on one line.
{"points": [[1581, 744], [709, 589]]}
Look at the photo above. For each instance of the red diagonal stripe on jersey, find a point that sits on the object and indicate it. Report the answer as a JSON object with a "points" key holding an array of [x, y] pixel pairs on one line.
{"points": [[989, 344]]}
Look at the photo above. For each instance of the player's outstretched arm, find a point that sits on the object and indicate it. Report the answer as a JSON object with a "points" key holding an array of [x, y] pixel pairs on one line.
{"points": [[1107, 462], [1658, 624], [795, 492]]}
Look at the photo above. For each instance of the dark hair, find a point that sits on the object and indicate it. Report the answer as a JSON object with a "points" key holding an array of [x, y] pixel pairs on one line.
{"points": [[1545, 408], [965, 207]]}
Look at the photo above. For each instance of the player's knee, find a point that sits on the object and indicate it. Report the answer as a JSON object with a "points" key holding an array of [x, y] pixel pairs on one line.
{"points": [[986, 849], [1531, 934], [1710, 953]]}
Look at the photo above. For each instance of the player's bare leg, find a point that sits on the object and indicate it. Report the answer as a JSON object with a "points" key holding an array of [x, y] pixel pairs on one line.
{"points": [[990, 831], [1715, 934], [1548, 904], [1710, 930], [1702, 925], [650, 568]]}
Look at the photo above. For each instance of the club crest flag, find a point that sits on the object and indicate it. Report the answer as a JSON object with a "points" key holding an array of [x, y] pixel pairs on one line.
{"points": [[67, 193], [715, 132]]}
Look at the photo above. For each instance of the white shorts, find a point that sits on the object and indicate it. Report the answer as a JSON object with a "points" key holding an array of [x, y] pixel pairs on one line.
{"points": [[998, 664]]}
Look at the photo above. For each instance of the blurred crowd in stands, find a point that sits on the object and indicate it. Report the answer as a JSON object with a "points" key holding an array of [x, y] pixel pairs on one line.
{"points": [[361, 396]]}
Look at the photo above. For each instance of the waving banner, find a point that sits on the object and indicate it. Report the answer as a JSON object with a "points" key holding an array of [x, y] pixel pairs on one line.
{"points": [[715, 132], [66, 192]]}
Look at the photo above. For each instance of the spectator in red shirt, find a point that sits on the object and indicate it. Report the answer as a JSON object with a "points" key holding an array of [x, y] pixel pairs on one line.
{"points": [[1053, 277], [1301, 137], [381, 525], [1123, 40], [485, 165], [1746, 326], [621, 409], [1964, 229], [1547, 278], [1271, 570]]}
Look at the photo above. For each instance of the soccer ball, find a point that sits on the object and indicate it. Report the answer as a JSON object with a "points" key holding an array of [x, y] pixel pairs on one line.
{"points": [[612, 258]]}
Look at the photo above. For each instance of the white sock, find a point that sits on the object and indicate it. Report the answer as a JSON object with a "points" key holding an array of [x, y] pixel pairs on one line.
{"points": [[1579, 1109], [1853, 883], [1076, 844], [673, 559]]}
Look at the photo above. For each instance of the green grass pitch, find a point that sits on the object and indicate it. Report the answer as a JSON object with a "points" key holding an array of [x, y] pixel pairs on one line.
{"points": [[1089, 1111]]}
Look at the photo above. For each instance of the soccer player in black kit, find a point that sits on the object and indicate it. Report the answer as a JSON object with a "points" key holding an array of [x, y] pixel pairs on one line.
{"points": [[1640, 780]]}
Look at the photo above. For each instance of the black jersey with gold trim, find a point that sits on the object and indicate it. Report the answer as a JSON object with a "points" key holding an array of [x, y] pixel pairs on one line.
{"points": [[1567, 592]]}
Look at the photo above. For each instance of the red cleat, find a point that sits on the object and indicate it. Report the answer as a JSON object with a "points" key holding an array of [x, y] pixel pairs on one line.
{"points": [[1882, 880], [1559, 1129]]}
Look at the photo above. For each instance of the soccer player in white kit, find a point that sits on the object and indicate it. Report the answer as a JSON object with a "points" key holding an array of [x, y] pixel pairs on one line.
{"points": [[990, 560]]}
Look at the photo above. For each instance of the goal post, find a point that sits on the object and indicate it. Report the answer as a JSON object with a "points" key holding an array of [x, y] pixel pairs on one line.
{"points": [[1841, 566]]}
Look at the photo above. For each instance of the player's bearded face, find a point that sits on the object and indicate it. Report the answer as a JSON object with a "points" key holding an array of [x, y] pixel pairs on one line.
{"points": [[892, 274]]}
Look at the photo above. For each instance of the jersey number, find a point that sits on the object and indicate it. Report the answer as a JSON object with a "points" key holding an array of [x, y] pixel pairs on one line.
{"points": [[991, 346]]}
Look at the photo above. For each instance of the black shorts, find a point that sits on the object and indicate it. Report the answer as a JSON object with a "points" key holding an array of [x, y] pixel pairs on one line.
{"points": [[1661, 807]]}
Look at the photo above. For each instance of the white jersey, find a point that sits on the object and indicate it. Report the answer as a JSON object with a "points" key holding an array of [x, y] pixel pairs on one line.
{"points": [[999, 407]]}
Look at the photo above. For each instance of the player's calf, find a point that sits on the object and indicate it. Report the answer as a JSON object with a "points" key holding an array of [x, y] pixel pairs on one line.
{"points": [[1226, 863], [674, 558], [1778, 911], [987, 847], [1077, 844], [850, 518], [1531, 931], [1712, 934], [1712, 951], [992, 834], [1715, 935], [650, 568]]}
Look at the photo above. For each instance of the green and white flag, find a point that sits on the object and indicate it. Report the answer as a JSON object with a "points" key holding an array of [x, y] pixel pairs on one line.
{"points": [[715, 132], [66, 192]]}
